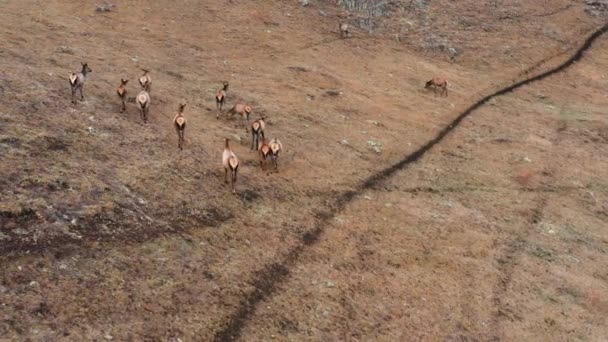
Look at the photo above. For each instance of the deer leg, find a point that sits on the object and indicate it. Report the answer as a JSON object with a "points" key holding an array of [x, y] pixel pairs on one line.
{"points": [[73, 95], [81, 93], [226, 175]]}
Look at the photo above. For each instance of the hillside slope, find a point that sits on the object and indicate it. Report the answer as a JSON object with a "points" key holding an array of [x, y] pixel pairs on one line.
{"points": [[94, 205]]}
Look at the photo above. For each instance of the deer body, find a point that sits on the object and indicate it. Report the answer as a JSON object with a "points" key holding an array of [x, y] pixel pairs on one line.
{"points": [[231, 164], [77, 81], [344, 32], [143, 102], [180, 126], [275, 148], [438, 83], [145, 80], [243, 110], [264, 151], [220, 98], [122, 93], [257, 131]]}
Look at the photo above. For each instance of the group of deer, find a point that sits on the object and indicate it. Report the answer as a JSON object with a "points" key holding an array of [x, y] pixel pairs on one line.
{"points": [[268, 151], [78, 79]]}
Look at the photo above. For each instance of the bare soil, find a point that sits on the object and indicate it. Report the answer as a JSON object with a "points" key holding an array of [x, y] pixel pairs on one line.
{"points": [[498, 232]]}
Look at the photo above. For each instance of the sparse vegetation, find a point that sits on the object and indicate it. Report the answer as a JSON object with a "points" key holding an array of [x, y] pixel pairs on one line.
{"points": [[392, 216]]}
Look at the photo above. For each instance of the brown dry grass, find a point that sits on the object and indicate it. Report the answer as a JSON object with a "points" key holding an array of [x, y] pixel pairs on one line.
{"points": [[108, 230]]}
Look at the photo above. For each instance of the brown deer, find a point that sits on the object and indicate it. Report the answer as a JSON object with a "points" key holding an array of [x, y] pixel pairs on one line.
{"points": [[275, 148], [265, 152], [220, 98], [344, 30], [231, 164], [257, 131], [145, 80], [77, 81], [122, 93], [243, 110], [438, 83], [143, 102], [180, 125]]}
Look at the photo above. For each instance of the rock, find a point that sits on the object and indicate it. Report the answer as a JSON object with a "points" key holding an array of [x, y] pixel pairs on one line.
{"points": [[376, 146], [344, 142], [304, 2], [329, 284], [104, 8], [108, 337], [322, 13], [65, 49]]}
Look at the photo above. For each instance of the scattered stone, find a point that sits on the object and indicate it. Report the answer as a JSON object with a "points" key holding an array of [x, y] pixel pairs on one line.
{"points": [[104, 8], [305, 3], [108, 337], [376, 146], [527, 160], [322, 13], [65, 49], [329, 284], [344, 142]]}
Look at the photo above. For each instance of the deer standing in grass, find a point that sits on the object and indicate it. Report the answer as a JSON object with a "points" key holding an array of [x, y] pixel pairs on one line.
{"points": [[231, 164], [344, 30], [77, 81], [143, 102], [438, 83], [145, 80], [257, 131], [180, 125], [220, 98], [275, 148], [264, 152], [122, 93], [244, 111]]}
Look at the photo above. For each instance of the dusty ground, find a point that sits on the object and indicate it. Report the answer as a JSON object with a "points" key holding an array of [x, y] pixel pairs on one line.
{"points": [[108, 232]]}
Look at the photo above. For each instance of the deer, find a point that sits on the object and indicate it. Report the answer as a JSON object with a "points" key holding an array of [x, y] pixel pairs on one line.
{"points": [[231, 164], [145, 80], [264, 152], [243, 110], [143, 102], [257, 131], [122, 93], [180, 125], [220, 98], [77, 81], [344, 30], [275, 148], [436, 83]]}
